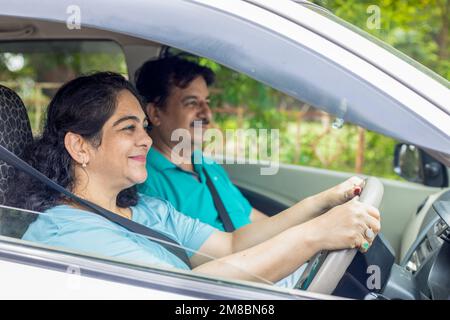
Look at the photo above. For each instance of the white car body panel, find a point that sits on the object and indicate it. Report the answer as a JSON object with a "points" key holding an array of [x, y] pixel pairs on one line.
{"points": [[41, 283], [405, 97]]}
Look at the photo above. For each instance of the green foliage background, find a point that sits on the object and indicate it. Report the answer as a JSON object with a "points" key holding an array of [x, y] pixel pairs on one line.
{"points": [[418, 28]]}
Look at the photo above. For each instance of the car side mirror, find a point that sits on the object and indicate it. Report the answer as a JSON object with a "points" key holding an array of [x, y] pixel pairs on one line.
{"points": [[413, 164]]}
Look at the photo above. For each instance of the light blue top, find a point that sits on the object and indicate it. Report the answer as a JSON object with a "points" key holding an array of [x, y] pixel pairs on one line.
{"points": [[84, 231], [189, 193]]}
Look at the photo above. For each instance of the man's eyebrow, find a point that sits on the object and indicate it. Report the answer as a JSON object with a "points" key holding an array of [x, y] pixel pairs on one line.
{"points": [[134, 118], [189, 97], [192, 97]]}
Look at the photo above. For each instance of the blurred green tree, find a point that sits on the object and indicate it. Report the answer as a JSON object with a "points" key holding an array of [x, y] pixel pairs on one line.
{"points": [[418, 28]]}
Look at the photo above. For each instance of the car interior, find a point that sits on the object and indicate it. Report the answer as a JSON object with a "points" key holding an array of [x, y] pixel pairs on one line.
{"points": [[412, 255]]}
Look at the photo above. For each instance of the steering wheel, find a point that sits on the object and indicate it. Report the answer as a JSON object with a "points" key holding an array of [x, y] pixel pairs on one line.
{"points": [[326, 268]]}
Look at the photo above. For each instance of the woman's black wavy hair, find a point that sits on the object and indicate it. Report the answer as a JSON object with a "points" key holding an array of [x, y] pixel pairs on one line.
{"points": [[81, 106]]}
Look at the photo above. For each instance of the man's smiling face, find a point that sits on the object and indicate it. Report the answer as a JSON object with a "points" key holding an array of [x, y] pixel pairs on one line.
{"points": [[183, 107]]}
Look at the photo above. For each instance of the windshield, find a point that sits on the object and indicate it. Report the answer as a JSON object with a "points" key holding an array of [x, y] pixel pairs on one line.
{"points": [[322, 10]]}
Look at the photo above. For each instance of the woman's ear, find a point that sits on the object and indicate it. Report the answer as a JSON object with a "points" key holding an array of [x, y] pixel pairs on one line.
{"points": [[77, 148], [153, 114]]}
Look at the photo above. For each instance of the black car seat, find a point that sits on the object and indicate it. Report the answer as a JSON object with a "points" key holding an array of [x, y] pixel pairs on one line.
{"points": [[15, 135]]}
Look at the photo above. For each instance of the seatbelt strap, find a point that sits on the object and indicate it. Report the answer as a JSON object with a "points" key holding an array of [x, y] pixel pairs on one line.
{"points": [[171, 245], [220, 207]]}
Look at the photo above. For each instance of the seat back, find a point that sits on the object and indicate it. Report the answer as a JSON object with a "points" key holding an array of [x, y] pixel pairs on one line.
{"points": [[15, 135]]}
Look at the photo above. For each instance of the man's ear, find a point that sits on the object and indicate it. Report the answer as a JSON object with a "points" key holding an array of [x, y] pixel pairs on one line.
{"points": [[76, 145], [153, 114]]}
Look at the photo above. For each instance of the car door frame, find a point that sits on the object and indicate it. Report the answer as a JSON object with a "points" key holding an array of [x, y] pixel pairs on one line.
{"points": [[108, 277]]}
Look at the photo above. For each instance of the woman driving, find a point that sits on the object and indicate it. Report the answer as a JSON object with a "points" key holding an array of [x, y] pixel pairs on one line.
{"points": [[95, 144]]}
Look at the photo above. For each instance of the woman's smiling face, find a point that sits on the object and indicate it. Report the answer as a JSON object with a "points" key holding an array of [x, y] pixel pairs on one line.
{"points": [[121, 157]]}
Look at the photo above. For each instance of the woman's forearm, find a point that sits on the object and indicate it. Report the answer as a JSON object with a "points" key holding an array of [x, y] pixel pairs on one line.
{"points": [[299, 213], [341, 227], [271, 260], [260, 231]]}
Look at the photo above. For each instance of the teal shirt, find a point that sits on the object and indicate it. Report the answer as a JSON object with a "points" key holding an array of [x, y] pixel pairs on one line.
{"points": [[87, 232], [192, 196]]}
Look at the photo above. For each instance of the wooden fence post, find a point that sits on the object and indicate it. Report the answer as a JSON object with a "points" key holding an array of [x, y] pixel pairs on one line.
{"points": [[359, 162], [298, 148]]}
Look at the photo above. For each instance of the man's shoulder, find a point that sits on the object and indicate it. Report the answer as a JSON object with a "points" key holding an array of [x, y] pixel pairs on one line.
{"points": [[157, 180], [157, 162], [213, 167], [210, 163]]}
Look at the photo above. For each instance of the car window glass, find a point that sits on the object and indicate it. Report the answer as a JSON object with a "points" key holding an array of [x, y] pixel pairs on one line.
{"points": [[14, 223], [244, 109], [320, 10], [36, 69]]}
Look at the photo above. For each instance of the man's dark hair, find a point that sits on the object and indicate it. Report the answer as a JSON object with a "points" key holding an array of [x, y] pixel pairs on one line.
{"points": [[156, 78]]}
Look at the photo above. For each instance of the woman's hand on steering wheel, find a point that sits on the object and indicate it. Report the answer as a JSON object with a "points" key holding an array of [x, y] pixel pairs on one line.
{"points": [[350, 225], [342, 192]]}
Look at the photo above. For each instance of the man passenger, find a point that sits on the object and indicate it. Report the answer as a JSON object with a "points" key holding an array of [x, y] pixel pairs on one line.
{"points": [[177, 95]]}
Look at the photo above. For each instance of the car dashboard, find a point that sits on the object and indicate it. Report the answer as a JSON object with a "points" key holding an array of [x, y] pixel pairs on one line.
{"points": [[423, 273], [427, 262]]}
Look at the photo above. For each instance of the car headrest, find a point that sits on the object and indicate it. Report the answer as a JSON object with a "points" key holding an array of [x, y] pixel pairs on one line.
{"points": [[15, 133]]}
